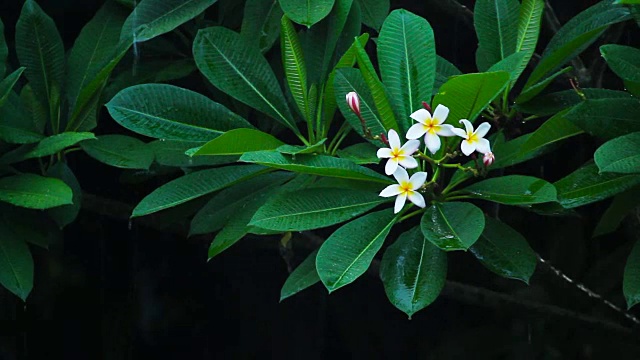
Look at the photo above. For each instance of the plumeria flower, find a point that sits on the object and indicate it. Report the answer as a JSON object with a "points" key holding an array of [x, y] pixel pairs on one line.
{"points": [[406, 188], [397, 154], [473, 140], [354, 102], [431, 127], [488, 159]]}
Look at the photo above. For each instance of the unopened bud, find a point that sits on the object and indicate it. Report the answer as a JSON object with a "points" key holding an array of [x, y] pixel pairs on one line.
{"points": [[488, 159], [426, 106], [354, 102], [384, 139]]}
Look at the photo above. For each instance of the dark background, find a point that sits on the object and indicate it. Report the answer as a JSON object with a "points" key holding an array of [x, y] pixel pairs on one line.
{"points": [[115, 290]]}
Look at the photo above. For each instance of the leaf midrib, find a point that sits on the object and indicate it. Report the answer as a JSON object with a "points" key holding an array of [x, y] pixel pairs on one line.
{"points": [[319, 211]]}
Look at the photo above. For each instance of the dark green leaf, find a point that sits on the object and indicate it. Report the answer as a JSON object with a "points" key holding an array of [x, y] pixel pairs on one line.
{"points": [[4, 51], [620, 207], [261, 22], [16, 263], [552, 131], [295, 68], [34, 192], [623, 60], [496, 23], [120, 151], [444, 70], [550, 104], [304, 276], [66, 214], [362, 153], [531, 91], [306, 12], [374, 12], [47, 146], [620, 155], [8, 83], [172, 153], [513, 190], [452, 225], [631, 282], [607, 118]]}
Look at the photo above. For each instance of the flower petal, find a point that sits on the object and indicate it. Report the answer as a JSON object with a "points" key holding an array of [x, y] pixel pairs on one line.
{"points": [[409, 162], [391, 166], [394, 139], [440, 114], [483, 146], [410, 147], [415, 131], [391, 190], [467, 125], [416, 198], [433, 142], [384, 153], [446, 130], [483, 129], [417, 180], [459, 132], [401, 175], [467, 147], [421, 116], [400, 200]]}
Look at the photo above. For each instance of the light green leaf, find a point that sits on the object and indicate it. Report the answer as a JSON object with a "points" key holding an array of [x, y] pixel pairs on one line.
{"points": [[554, 130], [306, 12], [496, 23], [16, 263], [39, 48], [34, 191], [120, 151], [316, 148], [513, 190], [304, 276], [66, 214], [172, 113], [192, 186], [374, 12], [152, 18], [413, 272], [47, 146], [361, 153], [295, 68], [407, 57], [631, 279], [452, 225], [528, 30], [172, 153], [510, 64], [239, 141], [620, 155], [467, 95], [261, 23], [239, 69], [586, 185], [315, 165], [348, 252], [314, 208], [8, 83], [623, 60], [505, 252], [620, 207], [607, 118]]}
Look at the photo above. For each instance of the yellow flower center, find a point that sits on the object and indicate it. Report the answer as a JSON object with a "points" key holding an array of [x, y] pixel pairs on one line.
{"points": [[471, 137], [432, 126], [396, 153], [405, 186]]}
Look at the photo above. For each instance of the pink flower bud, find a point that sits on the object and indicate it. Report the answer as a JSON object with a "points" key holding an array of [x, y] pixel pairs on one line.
{"points": [[354, 102], [488, 159], [426, 106]]}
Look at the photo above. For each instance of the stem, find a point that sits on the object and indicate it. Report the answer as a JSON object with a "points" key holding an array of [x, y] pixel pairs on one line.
{"points": [[339, 141], [462, 197], [332, 144], [410, 215]]}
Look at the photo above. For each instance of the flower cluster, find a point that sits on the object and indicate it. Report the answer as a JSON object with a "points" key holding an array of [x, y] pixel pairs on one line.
{"points": [[432, 127]]}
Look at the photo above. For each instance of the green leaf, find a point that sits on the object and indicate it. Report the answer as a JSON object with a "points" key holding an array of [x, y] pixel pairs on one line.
{"points": [[192, 186], [620, 155], [362, 153], [496, 23], [413, 272], [444, 71], [47, 146], [66, 214], [152, 18], [631, 279], [304, 276], [120, 151], [261, 23], [556, 129], [620, 207], [633, 87], [8, 83], [33, 110], [550, 104], [407, 56], [4, 51], [226, 204], [306, 12], [529, 22], [239, 141], [40, 49], [16, 263], [623, 60], [586, 185], [513, 190], [374, 12], [34, 191], [315, 208], [239, 69], [575, 36], [452, 225], [530, 92], [314, 164], [295, 69], [628, 2], [607, 118], [93, 50], [316, 148], [467, 95], [348, 252], [169, 112], [347, 80], [505, 252], [510, 64], [172, 153]]}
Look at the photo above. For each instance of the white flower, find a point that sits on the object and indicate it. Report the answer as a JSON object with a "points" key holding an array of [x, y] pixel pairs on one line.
{"points": [[488, 159], [431, 126], [406, 188], [398, 155], [473, 140]]}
